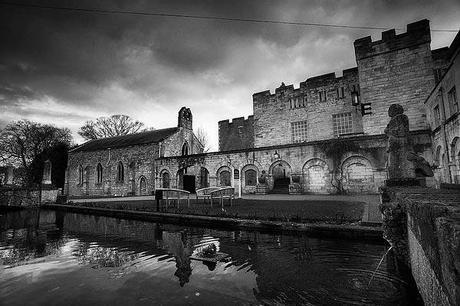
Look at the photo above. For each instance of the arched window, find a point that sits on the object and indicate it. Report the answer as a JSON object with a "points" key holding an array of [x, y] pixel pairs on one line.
{"points": [[120, 172], [185, 149], [204, 178], [143, 186], [224, 178], [99, 173], [250, 177], [80, 175], [166, 179]]}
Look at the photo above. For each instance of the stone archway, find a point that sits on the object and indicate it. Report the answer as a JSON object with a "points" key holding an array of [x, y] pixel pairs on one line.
{"points": [[280, 172], [358, 175], [315, 174]]}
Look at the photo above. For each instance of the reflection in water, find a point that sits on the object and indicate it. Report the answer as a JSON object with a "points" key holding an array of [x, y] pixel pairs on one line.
{"points": [[134, 262]]}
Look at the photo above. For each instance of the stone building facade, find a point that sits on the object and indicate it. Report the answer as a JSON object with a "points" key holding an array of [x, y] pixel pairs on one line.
{"points": [[126, 165], [325, 136], [442, 108]]}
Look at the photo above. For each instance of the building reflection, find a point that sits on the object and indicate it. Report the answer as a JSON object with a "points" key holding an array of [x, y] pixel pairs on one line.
{"points": [[288, 269]]}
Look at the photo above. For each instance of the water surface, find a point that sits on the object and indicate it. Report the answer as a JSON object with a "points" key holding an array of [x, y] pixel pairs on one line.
{"points": [[56, 258]]}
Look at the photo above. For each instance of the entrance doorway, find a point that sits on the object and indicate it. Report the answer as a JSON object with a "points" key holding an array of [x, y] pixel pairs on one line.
{"points": [[189, 183], [281, 177]]}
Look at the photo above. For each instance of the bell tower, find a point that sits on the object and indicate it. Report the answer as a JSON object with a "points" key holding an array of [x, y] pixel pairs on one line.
{"points": [[185, 118]]}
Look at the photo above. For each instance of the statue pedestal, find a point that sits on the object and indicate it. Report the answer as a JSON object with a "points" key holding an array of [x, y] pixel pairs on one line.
{"points": [[402, 182]]}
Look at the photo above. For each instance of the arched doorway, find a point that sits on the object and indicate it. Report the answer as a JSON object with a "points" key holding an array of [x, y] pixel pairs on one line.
{"points": [[281, 175], [315, 173]]}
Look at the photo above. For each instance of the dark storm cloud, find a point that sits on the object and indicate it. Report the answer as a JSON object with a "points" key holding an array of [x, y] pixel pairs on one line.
{"points": [[93, 64]]}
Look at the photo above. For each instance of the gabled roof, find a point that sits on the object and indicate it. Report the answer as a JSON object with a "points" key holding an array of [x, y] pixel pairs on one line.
{"points": [[126, 140]]}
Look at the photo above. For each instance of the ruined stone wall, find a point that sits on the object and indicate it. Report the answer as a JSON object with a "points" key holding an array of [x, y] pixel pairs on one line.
{"points": [[237, 134], [138, 161], [397, 69], [274, 113]]}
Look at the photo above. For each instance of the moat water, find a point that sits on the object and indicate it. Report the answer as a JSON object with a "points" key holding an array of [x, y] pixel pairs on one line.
{"points": [[56, 258]]}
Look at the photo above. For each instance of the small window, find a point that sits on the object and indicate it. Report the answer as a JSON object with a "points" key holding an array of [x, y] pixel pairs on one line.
{"points": [[340, 92], [120, 172], [80, 175], [185, 149], [250, 177], [299, 131], [322, 95], [342, 124], [355, 88], [165, 179], [437, 116], [236, 174], [297, 102], [453, 102], [99, 173], [142, 186]]}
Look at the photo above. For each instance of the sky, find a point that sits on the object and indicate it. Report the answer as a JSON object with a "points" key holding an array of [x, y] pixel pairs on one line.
{"points": [[67, 67]]}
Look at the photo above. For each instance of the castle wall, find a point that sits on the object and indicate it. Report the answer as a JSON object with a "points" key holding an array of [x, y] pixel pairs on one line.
{"points": [[396, 69], [235, 135], [274, 113]]}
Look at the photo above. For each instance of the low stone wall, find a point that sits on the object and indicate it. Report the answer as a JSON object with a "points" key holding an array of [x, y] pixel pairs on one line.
{"points": [[27, 197], [423, 226]]}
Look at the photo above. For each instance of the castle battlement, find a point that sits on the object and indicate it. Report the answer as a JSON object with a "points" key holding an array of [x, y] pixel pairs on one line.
{"points": [[417, 33], [235, 121], [316, 81]]}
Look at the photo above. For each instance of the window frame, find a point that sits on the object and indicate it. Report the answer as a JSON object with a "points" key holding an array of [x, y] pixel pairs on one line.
{"points": [[299, 131], [99, 174], [452, 100], [342, 124], [120, 172]]}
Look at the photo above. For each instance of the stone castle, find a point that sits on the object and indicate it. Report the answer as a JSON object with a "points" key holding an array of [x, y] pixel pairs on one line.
{"points": [[325, 136]]}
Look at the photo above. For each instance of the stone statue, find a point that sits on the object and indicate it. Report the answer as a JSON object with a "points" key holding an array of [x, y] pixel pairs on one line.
{"points": [[402, 160]]}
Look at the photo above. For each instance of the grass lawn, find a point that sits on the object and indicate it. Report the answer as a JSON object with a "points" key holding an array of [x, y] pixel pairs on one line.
{"points": [[283, 210]]}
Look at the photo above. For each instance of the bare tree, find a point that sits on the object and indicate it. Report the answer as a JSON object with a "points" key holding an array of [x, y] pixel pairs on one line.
{"points": [[22, 142], [115, 125], [203, 139]]}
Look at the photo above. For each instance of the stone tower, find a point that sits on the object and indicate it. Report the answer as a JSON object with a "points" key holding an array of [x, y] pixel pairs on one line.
{"points": [[185, 118]]}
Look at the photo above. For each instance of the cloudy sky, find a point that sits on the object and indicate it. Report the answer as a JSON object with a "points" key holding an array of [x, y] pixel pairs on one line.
{"points": [[66, 67]]}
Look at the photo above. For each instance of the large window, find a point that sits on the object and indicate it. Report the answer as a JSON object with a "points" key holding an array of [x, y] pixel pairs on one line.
{"points": [[453, 102], [342, 124], [299, 131], [120, 172], [250, 177], [99, 174]]}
